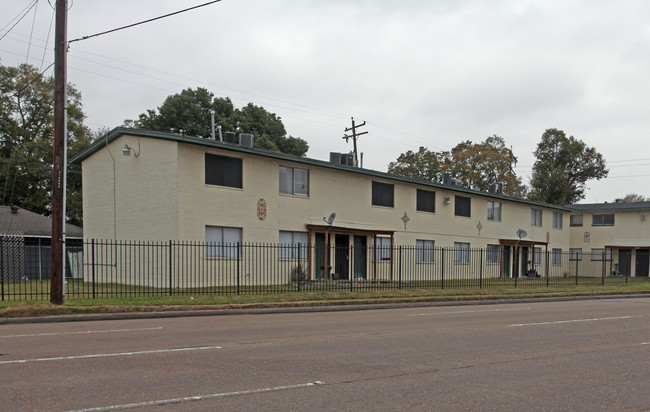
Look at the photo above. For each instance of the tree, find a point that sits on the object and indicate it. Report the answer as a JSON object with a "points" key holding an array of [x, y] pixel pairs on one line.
{"points": [[477, 165], [424, 164], [474, 165], [189, 111], [563, 167], [634, 198], [27, 138]]}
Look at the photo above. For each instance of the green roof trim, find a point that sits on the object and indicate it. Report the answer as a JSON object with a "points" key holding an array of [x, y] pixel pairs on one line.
{"points": [[120, 131]]}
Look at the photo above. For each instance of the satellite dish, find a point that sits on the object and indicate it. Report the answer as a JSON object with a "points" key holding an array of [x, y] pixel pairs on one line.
{"points": [[521, 233], [330, 219]]}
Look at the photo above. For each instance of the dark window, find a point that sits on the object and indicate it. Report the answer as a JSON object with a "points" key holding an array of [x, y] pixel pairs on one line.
{"points": [[575, 220], [223, 171], [462, 206], [382, 194], [426, 201], [603, 220]]}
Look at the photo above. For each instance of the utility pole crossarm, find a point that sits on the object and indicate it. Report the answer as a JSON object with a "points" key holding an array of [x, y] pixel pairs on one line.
{"points": [[354, 137]]}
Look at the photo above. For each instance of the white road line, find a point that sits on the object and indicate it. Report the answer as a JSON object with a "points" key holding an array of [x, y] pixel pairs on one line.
{"points": [[569, 321], [466, 311], [197, 398], [86, 332], [105, 355]]}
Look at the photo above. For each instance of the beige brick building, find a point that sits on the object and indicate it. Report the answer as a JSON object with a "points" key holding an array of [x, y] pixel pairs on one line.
{"points": [[173, 187]]}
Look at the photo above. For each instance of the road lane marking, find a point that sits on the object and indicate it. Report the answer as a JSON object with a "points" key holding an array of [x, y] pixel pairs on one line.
{"points": [[570, 321], [466, 311], [86, 332], [106, 355], [198, 397]]}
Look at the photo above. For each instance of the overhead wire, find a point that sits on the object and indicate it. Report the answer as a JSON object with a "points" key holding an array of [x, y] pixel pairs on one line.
{"points": [[18, 21], [31, 33]]}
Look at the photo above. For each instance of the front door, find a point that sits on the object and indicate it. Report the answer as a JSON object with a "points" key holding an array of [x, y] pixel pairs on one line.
{"points": [[506, 262], [319, 258], [642, 256], [524, 260], [360, 257], [341, 257], [624, 262]]}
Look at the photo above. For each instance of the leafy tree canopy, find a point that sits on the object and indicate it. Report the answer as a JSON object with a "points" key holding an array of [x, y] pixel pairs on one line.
{"points": [[475, 165], [424, 164], [190, 109], [563, 167], [633, 198], [27, 138]]}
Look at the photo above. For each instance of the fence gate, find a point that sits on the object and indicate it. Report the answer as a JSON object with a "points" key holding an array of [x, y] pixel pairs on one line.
{"points": [[12, 256]]}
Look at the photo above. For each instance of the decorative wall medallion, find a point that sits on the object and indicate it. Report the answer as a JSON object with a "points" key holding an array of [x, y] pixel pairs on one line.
{"points": [[405, 219], [261, 209], [587, 237]]}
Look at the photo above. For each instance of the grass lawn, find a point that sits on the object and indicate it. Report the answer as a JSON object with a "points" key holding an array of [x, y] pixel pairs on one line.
{"points": [[195, 300]]}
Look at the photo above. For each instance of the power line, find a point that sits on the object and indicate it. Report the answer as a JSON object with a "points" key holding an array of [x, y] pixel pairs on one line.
{"points": [[143, 22], [21, 17]]}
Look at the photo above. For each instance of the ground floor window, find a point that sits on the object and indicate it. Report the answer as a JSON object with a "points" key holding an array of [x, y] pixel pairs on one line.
{"points": [[423, 251], [289, 242], [222, 241], [461, 252], [493, 254], [575, 254], [383, 249], [598, 254], [556, 256]]}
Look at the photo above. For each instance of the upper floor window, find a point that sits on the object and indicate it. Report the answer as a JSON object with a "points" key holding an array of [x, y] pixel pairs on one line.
{"points": [[575, 220], [426, 201], [294, 181], [603, 220], [535, 217], [494, 211], [557, 220], [223, 171], [383, 194], [463, 206]]}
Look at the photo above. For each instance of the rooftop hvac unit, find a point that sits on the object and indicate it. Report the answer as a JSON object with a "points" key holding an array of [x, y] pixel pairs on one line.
{"points": [[492, 188], [347, 159], [499, 188], [230, 137], [246, 139], [335, 157], [446, 178]]}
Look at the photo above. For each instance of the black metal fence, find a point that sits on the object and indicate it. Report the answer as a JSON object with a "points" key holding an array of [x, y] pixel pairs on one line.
{"points": [[127, 269]]}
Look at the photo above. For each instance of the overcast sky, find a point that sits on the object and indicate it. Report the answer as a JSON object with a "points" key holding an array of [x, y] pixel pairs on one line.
{"points": [[420, 73]]}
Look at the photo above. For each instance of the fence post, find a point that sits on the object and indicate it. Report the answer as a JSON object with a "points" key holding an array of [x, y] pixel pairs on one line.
{"points": [[92, 265], [577, 266], [442, 270], [350, 272], [238, 256], [602, 280], [299, 270], [2, 271], [547, 265], [171, 270], [480, 282], [399, 268]]}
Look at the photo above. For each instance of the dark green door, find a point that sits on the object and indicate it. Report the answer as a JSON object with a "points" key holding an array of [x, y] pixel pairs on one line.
{"points": [[360, 257], [319, 259], [642, 260], [624, 262], [506, 261], [341, 257]]}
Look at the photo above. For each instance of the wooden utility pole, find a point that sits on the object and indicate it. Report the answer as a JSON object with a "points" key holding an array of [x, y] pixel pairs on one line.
{"points": [[354, 138], [59, 174]]}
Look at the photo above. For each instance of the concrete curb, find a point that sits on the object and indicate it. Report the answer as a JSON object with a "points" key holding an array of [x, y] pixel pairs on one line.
{"points": [[293, 309]]}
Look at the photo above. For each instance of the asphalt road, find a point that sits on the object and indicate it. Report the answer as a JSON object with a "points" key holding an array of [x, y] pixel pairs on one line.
{"points": [[579, 355]]}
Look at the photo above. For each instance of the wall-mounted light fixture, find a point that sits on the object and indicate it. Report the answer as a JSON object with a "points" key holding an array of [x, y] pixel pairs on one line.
{"points": [[446, 201], [127, 151], [642, 216]]}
